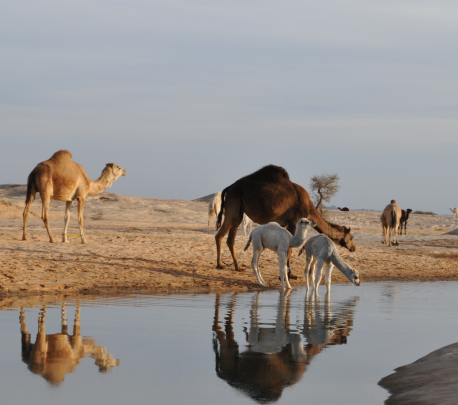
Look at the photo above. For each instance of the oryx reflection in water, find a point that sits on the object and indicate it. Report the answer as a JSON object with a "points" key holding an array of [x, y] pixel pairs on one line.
{"points": [[54, 355], [276, 357]]}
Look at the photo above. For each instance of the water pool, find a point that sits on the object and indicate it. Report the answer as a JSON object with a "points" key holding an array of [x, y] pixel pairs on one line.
{"points": [[221, 348]]}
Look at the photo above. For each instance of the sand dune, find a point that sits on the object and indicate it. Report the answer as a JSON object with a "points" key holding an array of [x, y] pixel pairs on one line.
{"points": [[163, 245]]}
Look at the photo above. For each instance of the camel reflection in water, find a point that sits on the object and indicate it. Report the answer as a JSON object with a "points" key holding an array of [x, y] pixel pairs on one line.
{"points": [[54, 355], [275, 357]]}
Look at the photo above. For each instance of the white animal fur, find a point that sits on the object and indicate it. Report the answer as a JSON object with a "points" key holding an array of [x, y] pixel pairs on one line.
{"points": [[321, 251], [455, 212], [247, 224], [272, 236], [214, 207]]}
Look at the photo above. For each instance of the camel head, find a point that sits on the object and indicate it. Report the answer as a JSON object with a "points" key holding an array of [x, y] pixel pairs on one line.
{"points": [[116, 171], [354, 277], [347, 240], [304, 222]]}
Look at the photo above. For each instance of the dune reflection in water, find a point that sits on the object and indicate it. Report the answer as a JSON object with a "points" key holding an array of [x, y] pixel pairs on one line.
{"points": [[54, 355], [275, 357]]}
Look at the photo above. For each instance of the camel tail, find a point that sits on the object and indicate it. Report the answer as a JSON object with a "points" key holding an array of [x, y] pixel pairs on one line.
{"points": [[393, 218], [30, 188], [220, 215], [248, 244]]}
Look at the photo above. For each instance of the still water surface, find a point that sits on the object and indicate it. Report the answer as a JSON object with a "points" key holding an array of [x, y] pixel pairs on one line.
{"points": [[222, 348]]}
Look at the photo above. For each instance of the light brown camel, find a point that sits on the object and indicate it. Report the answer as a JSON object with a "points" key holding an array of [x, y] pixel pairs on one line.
{"points": [[268, 195], [391, 218], [62, 179]]}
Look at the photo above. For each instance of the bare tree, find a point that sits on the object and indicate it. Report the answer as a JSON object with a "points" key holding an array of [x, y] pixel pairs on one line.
{"points": [[323, 188]]}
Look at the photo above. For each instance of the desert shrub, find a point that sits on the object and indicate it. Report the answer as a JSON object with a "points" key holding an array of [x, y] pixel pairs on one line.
{"points": [[98, 216], [424, 212]]}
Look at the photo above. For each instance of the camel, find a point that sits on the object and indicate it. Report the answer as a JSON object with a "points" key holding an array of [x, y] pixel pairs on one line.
{"points": [[268, 195], [391, 218], [273, 237], [214, 206], [454, 212], [274, 357], [62, 179], [247, 225], [54, 355], [404, 219], [321, 252]]}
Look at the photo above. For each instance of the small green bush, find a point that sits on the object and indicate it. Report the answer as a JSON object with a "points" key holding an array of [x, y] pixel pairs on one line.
{"points": [[7, 203], [98, 216], [424, 212]]}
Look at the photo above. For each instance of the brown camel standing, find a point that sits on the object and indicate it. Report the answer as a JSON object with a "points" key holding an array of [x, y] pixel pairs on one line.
{"points": [[391, 218], [268, 195], [62, 179]]}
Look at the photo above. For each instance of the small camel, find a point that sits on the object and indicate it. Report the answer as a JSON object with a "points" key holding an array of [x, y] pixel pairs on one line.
{"points": [[214, 205], [320, 251], [62, 179], [404, 219], [391, 218], [247, 224], [454, 212], [272, 236]]}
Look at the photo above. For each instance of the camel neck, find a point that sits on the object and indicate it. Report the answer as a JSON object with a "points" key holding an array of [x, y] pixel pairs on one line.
{"points": [[340, 264], [102, 183], [299, 238], [333, 231]]}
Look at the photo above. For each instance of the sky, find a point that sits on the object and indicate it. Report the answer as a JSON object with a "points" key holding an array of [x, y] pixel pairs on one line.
{"points": [[190, 96]]}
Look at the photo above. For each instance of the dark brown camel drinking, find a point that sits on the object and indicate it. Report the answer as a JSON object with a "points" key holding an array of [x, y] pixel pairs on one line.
{"points": [[268, 195]]}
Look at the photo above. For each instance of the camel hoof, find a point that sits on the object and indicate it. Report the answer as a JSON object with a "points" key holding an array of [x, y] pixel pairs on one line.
{"points": [[292, 277], [240, 269], [84, 242], [24, 238], [219, 266]]}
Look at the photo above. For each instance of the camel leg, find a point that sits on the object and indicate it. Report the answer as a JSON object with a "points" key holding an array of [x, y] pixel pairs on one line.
{"points": [[231, 244], [44, 215], [319, 271], [80, 218], [308, 263], [292, 229], [255, 267], [327, 272], [395, 236], [225, 227], [68, 205], [282, 260], [312, 272], [384, 234], [209, 218], [25, 215], [259, 272]]}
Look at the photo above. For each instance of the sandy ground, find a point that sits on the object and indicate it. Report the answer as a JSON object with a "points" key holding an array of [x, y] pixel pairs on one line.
{"points": [[163, 246]]}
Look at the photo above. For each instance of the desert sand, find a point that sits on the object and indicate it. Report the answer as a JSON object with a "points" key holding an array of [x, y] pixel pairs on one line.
{"points": [[162, 246]]}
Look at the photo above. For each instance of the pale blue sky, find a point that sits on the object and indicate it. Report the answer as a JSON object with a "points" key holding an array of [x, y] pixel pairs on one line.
{"points": [[190, 96]]}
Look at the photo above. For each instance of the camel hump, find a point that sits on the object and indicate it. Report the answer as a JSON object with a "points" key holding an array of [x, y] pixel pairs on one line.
{"points": [[61, 155], [269, 173]]}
